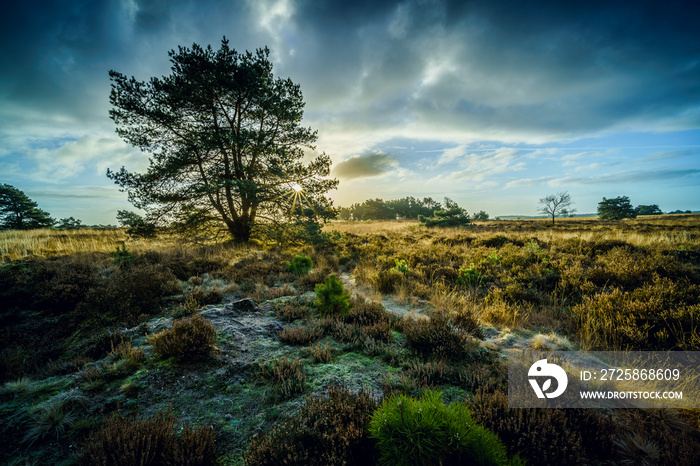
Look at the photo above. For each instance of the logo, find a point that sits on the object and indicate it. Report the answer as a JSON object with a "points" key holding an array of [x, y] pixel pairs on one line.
{"points": [[542, 369]]}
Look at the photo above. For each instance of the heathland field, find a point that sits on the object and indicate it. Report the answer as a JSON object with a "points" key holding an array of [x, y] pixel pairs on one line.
{"points": [[329, 349]]}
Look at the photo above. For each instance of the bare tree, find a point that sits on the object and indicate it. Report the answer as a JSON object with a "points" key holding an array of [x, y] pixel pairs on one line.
{"points": [[556, 205]]}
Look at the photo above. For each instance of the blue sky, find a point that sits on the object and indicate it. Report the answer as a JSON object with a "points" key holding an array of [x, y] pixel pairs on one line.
{"points": [[494, 104]]}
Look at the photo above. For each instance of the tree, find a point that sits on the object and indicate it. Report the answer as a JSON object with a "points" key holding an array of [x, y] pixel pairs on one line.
{"points": [[616, 208], [137, 227], [452, 215], [556, 205], [18, 212], [652, 209], [481, 215], [225, 140], [70, 223]]}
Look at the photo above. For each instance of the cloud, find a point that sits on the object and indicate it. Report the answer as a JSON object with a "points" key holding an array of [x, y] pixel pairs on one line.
{"points": [[631, 176], [479, 166], [72, 158], [366, 165], [528, 182], [450, 154]]}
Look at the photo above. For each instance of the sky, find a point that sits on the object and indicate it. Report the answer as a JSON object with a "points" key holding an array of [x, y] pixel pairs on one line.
{"points": [[494, 104]]}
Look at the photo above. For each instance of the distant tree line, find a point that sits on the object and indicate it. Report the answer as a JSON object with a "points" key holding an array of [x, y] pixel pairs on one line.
{"points": [[404, 208], [19, 212], [620, 207]]}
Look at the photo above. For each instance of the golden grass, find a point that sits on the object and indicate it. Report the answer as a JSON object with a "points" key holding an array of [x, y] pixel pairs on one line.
{"points": [[645, 230], [18, 245]]}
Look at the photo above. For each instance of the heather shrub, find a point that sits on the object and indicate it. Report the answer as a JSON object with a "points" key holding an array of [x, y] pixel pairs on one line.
{"points": [[546, 436], [331, 298], [425, 431], [190, 337], [321, 354], [464, 320], [289, 312], [327, 430], [204, 297], [435, 337], [367, 313], [153, 441], [68, 286], [300, 334], [287, 376], [387, 281], [445, 274], [657, 316], [300, 265], [126, 294], [316, 277]]}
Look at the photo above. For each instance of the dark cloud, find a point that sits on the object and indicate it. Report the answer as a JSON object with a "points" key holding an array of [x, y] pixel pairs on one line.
{"points": [[366, 165], [447, 71]]}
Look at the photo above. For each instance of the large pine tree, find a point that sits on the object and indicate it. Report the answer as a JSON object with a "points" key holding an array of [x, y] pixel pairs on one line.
{"points": [[225, 141], [18, 212]]}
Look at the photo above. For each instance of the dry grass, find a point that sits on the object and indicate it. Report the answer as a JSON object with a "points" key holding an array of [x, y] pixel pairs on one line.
{"points": [[644, 230]]}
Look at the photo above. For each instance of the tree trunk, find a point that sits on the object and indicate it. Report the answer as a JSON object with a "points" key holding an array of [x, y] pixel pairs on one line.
{"points": [[552, 219], [240, 229]]}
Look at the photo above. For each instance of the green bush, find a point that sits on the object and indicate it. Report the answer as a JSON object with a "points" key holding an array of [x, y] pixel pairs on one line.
{"points": [[331, 298], [300, 265], [470, 277], [327, 430], [148, 441], [122, 256], [187, 338], [425, 431]]}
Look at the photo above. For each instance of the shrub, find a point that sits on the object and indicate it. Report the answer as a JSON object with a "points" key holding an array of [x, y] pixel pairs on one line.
{"points": [[401, 266], [470, 277], [464, 320], [546, 436], [327, 430], [287, 376], [190, 337], [148, 441], [434, 337], [290, 312], [204, 297], [300, 334], [321, 353], [126, 294], [122, 256], [300, 265], [425, 431], [661, 316], [367, 313], [331, 298], [387, 281]]}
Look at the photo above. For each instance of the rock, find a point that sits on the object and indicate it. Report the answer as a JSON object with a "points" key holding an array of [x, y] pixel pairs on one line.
{"points": [[244, 305]]}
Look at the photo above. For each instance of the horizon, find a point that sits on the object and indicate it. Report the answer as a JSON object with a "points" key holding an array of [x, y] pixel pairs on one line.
{"points": [[493, 106]]}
